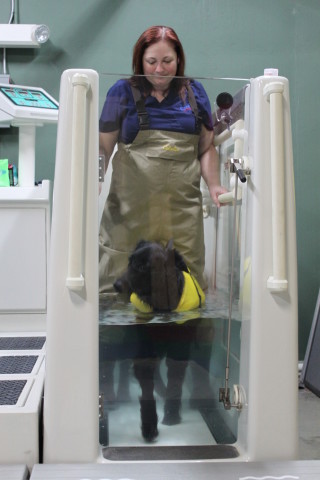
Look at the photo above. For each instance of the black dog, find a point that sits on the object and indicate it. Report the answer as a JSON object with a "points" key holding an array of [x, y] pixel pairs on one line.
{"points": [[155, 275]]}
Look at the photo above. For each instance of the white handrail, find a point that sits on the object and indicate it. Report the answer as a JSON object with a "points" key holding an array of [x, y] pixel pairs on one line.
{"points": [[277, 282], [227, 133], [239, 134], [75, 278]]}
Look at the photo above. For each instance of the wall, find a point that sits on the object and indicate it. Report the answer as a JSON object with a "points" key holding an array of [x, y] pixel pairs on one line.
{"points": [[222, 38]]}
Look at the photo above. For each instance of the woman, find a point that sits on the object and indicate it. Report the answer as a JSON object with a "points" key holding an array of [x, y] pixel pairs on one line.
{"points": [[162, 124]]}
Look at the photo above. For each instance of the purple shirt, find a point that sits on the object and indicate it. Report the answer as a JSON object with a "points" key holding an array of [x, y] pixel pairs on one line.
{"points": [[172, 114]]}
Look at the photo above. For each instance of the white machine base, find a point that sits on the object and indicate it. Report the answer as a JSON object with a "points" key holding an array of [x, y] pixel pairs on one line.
{"points": [[21, 390], [13, 472], [304, 470]]}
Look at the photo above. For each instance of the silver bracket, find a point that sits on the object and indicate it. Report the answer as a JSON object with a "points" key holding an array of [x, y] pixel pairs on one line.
{"points": [[239, 397], [236, 165]]}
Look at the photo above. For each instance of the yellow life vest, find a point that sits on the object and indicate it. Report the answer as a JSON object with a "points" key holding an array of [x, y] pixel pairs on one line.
{"points": [[192, 297]]}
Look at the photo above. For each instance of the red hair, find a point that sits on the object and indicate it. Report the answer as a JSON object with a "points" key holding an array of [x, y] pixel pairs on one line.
{"points": [[149, 37]]}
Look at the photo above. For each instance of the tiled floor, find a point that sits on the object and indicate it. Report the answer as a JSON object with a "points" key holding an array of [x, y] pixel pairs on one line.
{"points": [[309, 425]]}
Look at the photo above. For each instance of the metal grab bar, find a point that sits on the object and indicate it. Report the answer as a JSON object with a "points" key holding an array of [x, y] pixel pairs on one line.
{"points": [[277, 282], [75, 279]]}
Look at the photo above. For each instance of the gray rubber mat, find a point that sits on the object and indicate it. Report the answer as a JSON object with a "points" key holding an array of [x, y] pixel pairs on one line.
{"points": [[17, 364], [185, 452], [21, 343], [10, 391]]}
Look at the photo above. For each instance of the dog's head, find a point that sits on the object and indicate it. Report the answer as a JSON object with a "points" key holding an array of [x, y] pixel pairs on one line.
{"points": [[154, 274]]}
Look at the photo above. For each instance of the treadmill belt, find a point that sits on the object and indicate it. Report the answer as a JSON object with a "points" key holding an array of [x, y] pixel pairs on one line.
{"points": [[184, 452]]}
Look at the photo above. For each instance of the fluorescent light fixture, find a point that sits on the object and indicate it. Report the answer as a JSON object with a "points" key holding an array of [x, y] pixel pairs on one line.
{"points": [[18, 35]]}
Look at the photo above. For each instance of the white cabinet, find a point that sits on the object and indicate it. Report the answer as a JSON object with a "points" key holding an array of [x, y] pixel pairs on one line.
{"points": [[24, 248]]}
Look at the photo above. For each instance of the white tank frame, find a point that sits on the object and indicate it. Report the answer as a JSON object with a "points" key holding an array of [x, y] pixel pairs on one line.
{"points": [[269, 354], [71, 423]]}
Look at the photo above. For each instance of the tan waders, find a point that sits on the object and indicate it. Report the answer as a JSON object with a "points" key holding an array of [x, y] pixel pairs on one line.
{"points": [[154, 195]]}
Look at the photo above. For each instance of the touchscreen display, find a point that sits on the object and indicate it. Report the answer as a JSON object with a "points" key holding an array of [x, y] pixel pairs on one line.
{"points": [[25, 97]]}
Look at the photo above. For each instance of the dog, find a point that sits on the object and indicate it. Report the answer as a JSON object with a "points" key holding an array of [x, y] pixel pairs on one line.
{"points": [[158, 280], [154, 274]]}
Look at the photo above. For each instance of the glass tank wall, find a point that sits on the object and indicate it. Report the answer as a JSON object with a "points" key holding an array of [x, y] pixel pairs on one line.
{"points": [[178, 364]]}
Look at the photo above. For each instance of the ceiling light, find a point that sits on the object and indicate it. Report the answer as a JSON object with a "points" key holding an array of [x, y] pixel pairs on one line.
{"points": [[41, 33]]}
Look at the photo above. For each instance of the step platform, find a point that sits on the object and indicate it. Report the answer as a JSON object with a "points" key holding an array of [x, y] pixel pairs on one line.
{"points": [[22, 370], [14, 472], [291, 470]]}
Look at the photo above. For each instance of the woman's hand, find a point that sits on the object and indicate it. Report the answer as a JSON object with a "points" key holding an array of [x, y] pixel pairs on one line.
{"points": [[209, 161], [215, 191]]}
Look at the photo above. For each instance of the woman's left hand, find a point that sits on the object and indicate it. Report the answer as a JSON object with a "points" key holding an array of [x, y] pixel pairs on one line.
{"points": [[210, 165], [215, 191]]}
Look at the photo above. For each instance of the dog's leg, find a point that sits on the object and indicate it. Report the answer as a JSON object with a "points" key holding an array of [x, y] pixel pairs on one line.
{"points": [[144, 371], [176, 374]]}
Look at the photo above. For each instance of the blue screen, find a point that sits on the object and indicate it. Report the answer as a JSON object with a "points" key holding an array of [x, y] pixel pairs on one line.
{"points": [[25, 97]]}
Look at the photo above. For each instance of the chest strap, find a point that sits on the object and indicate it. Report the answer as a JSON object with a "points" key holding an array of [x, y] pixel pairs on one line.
{"points": [[141, 109], [143, 114], [194, 108]]}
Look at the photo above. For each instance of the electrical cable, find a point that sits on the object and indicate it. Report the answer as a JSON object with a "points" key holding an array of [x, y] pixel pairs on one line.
{"points": [[4, 58]]}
